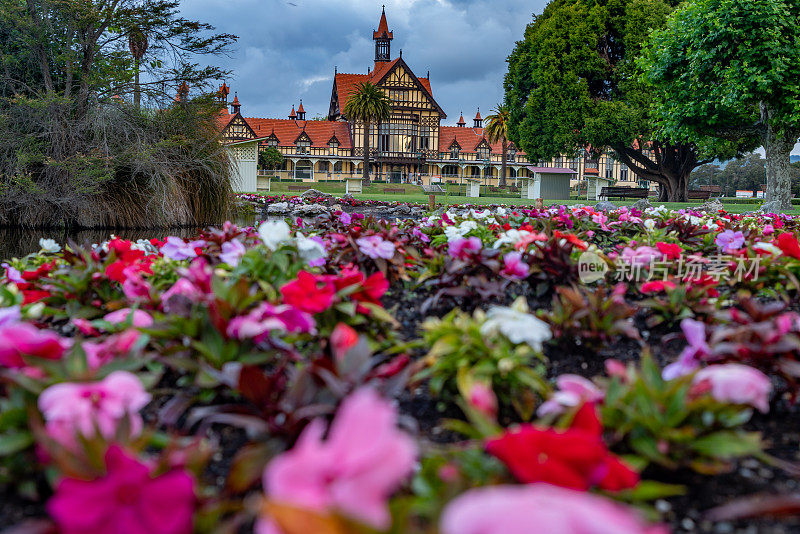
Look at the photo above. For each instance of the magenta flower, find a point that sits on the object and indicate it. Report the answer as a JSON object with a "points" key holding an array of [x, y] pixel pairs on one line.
{"points": [[514, 267], [737, 384], [573, 390], [12, 274], [463, 248], [138, 318], [539, 508], [232, 252], [127, 500], [18, 339], [641, 256], [354, 470], [176, 248], [730, 241], [181, 296], [421, 235], [71, 408], [345, 218], [134, 286], [689, 359], [268, 317], [99, 353], [376, 247]]}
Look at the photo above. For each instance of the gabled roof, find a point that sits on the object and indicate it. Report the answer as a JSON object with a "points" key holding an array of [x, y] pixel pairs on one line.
{"points": [[287, 131], [461, 119], [468, 139]]}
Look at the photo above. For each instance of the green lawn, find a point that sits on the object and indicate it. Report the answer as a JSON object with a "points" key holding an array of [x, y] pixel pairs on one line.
{"points": [[414, 194]]}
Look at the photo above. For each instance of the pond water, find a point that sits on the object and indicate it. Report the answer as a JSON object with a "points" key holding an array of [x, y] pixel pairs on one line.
{"points": [[17, 242]]}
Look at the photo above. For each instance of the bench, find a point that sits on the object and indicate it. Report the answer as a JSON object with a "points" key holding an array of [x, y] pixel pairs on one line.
{"points": [[298, 187], [697, 194], [393, 190], [623, 192]]}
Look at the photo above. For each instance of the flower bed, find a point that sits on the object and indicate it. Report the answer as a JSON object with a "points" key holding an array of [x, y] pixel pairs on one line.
{"points": [[469, 372]]}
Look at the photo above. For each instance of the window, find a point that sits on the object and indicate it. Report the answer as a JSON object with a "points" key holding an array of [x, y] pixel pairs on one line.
{"points": [[454, 150], [424, 137], [610, 169], [337, 167], [324, 166], [333, 147], [303, 146], [483, 152], [272, 142], [512, 153], [623, 172], [574, 164], [398, 137]]}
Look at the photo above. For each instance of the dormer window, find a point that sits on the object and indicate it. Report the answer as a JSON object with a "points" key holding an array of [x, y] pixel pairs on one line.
{"points": [[303, 146], [454, 152], [333, 147], [483, 152], [512, 153], [272, 142]]}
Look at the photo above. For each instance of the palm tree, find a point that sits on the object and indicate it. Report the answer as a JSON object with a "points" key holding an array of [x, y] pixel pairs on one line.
{"points": [[137, 42], [369, 105], [497, 130]]}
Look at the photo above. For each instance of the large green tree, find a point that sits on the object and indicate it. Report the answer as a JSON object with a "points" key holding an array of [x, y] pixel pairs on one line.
{"points": [[368, 105], [731, 69], [573, 84], [497, 132]]}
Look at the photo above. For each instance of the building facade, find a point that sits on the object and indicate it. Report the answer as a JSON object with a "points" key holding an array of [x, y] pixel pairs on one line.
{"points": [[413, 145]]}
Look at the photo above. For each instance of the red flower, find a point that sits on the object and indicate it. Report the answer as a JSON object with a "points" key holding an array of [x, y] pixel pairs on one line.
{"points": [[343, 338], [34, 295], [373, 289], [787, 242], [575, 458], [43, 270], [671, 250], [572, 238], [657, 286], [309, 293]]}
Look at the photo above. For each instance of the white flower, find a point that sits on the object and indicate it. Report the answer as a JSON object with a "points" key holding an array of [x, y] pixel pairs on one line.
{"points": [[49, 245], [454, 232], [501, 212], [510, 237], [480, 214], [273, 233], [145, 246], [310, 250], [649, 224], [768, 248], [517, 325]]}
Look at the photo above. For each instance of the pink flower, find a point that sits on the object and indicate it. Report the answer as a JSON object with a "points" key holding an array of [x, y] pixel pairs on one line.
{"points": [[354, 470], [737, 384], [232, 252], [539, 508], [138, 318], [730, 241], [463, 248], [376, 247], [689, 359], [182, 294], [176, 248], [573, 390], [514, 267], [268, 317], [71, 408], [9, 316], [641, 256], [98, 353], [416, 232], [134, 286], [483, 399], [24, 339], [127, 500], [345, 218]]}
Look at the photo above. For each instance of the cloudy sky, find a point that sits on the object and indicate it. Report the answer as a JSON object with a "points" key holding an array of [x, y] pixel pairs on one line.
{"points": [[287, 49]]}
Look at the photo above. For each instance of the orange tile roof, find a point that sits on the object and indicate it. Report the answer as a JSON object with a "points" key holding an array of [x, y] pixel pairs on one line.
{"points": [[346, 83], [223, 118], [383, 29], [287, 131], [467, 138]]}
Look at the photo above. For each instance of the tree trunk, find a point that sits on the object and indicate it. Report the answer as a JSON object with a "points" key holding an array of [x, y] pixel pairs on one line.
{"points": [[503, 163], [778, 148], [137, 92], [677, 190], [365, 174]]}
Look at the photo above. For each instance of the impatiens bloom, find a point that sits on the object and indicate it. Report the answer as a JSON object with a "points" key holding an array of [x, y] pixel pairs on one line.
{"points": [[128, 499], [311, 249], [49, 245], [375, 247], [517, 326], [729, 241], [12, 274], [71, 408], [343, 338], [671, 251], [354, 470], [514, 267], [274, 233], [24, 339], [641, 256], [482, 398], [573, 390], [9, 316], [134, 286], [266, 318], [99, 353], [138, 318], [177, 249], [737, 384], [539, 508], [575, 458], [345, 218], [657, 286], [416, 232], [462, 248], [181, 295], [689, 359], [232, 252], [309, 293], [787, 242]]}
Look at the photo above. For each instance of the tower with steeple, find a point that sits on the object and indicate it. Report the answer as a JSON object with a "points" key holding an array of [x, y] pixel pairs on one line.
{"points": [[383, 41]]}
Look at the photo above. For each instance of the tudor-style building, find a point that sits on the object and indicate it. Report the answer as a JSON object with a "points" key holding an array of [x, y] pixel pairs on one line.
{"points": [[413, 145]]}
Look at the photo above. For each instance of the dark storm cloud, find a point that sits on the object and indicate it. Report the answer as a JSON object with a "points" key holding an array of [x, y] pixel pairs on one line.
{"points": [[288, 52]]}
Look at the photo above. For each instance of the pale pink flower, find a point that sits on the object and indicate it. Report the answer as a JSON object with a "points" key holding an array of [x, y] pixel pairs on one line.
{"points": [[138, 318], [462, 248], [176, 248], [689, 359], [99, 353], [267, 317], [70, 408], [232, 252], [737, 384], [376, 247], [641, 256], [483, 399], [514, 267], [127, 500], [573, 390], [134, 286], [729, 241], [539, 508], [354, 470]]}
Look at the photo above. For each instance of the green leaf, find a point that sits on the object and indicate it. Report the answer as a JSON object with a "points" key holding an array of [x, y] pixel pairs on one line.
{"points": [[729, 444], [14, 442]]}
